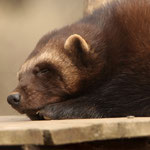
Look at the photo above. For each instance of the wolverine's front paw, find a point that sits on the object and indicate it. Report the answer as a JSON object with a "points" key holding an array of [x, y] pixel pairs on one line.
{"points": [[71, 109], [50, 112], [43, 115]]}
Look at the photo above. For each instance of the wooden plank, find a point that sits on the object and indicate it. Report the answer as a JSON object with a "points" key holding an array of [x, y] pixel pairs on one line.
{"points": [[58, 132], [14, 118]]}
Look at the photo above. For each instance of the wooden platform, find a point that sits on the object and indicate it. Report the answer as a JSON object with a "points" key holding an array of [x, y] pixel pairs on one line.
{"points": [[19, 130]]}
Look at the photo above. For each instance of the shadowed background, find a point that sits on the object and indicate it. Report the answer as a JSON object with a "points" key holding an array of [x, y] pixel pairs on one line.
{"points": [[22, 23]]}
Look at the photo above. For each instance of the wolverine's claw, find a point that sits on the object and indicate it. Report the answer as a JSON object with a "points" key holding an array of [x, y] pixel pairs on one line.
{"points": [[37, 113], [46, 118], [41, 115]]}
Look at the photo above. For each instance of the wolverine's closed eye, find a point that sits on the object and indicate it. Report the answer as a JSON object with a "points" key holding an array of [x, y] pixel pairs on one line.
{"points": [[41, 71], [44, 71]]}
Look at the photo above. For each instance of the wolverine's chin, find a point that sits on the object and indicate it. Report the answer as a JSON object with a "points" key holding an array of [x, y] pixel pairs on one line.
{"points": [[33, 114]]}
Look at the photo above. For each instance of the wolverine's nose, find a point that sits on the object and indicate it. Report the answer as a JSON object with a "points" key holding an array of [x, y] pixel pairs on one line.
{"points": [[14, 99]]}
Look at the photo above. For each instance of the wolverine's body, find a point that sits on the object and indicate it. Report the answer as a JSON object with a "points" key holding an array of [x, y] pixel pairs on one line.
{"points": [[97, 67]]}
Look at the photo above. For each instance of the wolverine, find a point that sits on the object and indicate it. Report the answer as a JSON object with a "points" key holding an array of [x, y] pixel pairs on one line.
{"points": [[97, 67]]}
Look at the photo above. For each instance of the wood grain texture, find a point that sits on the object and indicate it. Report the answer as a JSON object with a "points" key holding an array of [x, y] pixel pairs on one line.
{"points": [[58, 132]]}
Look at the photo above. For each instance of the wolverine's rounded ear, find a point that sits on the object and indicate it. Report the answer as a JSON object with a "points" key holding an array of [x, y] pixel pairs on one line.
{"points": [[75, 41]]}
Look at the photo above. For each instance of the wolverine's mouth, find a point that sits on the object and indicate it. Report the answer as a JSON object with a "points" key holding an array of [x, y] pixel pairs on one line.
{"points": [[33, 114]]}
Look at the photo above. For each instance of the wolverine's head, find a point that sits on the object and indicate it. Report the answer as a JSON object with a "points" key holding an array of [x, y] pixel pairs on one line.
{"points": [[58, 68]]}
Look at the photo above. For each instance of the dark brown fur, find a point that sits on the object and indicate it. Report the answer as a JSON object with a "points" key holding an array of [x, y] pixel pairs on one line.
{"points": [[112, 79]]}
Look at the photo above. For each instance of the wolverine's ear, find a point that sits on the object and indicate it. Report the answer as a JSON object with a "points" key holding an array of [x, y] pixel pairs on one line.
{"points": [[75, 41]]}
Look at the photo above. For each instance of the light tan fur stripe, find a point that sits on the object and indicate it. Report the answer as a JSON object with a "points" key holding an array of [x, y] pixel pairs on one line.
{"points": [[62, 63]]}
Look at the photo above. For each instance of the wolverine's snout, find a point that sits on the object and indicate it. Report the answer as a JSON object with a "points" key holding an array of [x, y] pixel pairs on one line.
{"points": [[14, 99]]}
